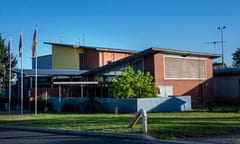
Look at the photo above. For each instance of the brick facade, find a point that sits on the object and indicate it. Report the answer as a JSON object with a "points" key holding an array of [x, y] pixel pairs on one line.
{"points": [[97, 58], [201, 90]]}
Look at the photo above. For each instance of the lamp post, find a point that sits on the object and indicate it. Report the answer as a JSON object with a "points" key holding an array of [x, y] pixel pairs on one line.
{"points": [[221, 29]]}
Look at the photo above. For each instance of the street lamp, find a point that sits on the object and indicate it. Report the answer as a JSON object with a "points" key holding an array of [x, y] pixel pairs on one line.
{"points": [[221, 29]]}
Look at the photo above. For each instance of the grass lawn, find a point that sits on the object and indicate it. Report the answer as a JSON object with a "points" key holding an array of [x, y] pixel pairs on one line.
{"points": [[160, 125]]}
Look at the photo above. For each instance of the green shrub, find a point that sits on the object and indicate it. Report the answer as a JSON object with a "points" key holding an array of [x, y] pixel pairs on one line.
{"points": [[70, 106], [95, 105], [134, 85], [42, 106]]}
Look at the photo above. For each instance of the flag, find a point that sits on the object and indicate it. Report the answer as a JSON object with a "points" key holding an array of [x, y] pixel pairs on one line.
{"points": [[20, 45], [34, 42]]}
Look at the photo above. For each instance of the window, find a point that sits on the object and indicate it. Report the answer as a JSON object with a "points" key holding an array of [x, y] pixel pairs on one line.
{"points": [[137, 65], [81, 61]]}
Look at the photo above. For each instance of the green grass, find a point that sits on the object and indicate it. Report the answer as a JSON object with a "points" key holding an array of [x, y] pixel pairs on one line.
{"points": [[160, 125], [219, 108]]}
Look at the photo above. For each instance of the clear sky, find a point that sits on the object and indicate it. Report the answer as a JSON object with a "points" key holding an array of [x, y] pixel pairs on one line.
{"points": [[124, 24]]}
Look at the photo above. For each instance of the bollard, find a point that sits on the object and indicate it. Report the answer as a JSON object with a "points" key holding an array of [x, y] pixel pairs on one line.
{"points": [[144, 120]]}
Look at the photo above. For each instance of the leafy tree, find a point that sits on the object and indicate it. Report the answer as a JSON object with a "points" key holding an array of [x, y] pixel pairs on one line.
{"points": [[4, 64], [236, 58], [134, 85]]}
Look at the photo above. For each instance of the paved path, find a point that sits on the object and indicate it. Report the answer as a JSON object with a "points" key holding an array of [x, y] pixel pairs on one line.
{"points": [[13, 136]]}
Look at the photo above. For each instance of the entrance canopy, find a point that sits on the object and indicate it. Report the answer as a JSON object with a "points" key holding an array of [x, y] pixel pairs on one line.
{"points": [[49, 72], [74, 82]]}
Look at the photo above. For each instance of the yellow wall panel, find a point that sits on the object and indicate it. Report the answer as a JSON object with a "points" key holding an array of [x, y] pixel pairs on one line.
{"points": [[66, 57]]}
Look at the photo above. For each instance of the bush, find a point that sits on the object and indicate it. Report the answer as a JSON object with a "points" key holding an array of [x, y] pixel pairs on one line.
{"points": [[134, 85], [41, 105], [95, 105], [70, 106], [90, 105], [73, 105]]}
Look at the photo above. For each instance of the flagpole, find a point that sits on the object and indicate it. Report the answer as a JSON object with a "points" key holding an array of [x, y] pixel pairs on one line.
{"points": [[36, 85], [21, 85], [10, 70], [34, 49], [20, 55], [22, 76]]}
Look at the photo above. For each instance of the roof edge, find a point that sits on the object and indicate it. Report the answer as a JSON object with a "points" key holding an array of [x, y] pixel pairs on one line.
{"points": [[152, 50], [184, 53], [92, 47]]}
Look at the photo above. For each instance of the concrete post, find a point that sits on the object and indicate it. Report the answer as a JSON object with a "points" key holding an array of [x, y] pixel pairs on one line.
{"points": [[144, 121], [59, 98]]}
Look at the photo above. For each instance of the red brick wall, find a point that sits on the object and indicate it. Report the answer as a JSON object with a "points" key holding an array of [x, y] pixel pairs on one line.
{"points": [[107, 56], [54, 92], [91, 59], [181, 87], [159, 69], [95, 58], [149, 64]]}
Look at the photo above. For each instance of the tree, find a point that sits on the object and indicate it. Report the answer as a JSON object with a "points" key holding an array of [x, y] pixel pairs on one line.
{"points": [[4, 64], [134, 85], [236, 58]]}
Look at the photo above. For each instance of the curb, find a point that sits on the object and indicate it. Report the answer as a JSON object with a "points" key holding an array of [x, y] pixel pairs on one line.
{"points": [[82, 133], [99, 134]]}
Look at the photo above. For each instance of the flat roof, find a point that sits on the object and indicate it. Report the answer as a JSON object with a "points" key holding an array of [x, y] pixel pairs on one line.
{"points": [[226, 71], [185, 53], [92, 47], [50, 72]]}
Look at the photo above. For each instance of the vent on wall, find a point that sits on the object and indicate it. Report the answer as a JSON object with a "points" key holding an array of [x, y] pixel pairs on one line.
{"points": [[184, 68]]}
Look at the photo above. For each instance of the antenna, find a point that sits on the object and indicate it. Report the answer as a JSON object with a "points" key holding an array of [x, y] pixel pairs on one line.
{"points": [[83, 39], [214, 44], [61, 39], [79, 42]]}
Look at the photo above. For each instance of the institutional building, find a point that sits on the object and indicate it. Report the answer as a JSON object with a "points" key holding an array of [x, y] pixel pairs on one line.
{"points": [[175, 72]]}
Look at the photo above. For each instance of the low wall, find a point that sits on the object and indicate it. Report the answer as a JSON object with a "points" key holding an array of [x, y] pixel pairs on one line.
{"points": [[108, 105], [168, 104]]}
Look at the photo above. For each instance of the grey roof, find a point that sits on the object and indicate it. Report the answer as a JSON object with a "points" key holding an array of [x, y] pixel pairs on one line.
{"points": [[50, 72], [226, 71], [185, 53], [150, 51], [92, 47]]}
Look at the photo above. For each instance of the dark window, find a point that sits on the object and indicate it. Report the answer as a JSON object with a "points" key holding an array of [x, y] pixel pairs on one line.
{"points": [[81, 61], [137, 65]]}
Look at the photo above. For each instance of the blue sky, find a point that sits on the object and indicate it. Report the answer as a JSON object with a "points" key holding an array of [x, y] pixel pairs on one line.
{"points": [[124, 24]]}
